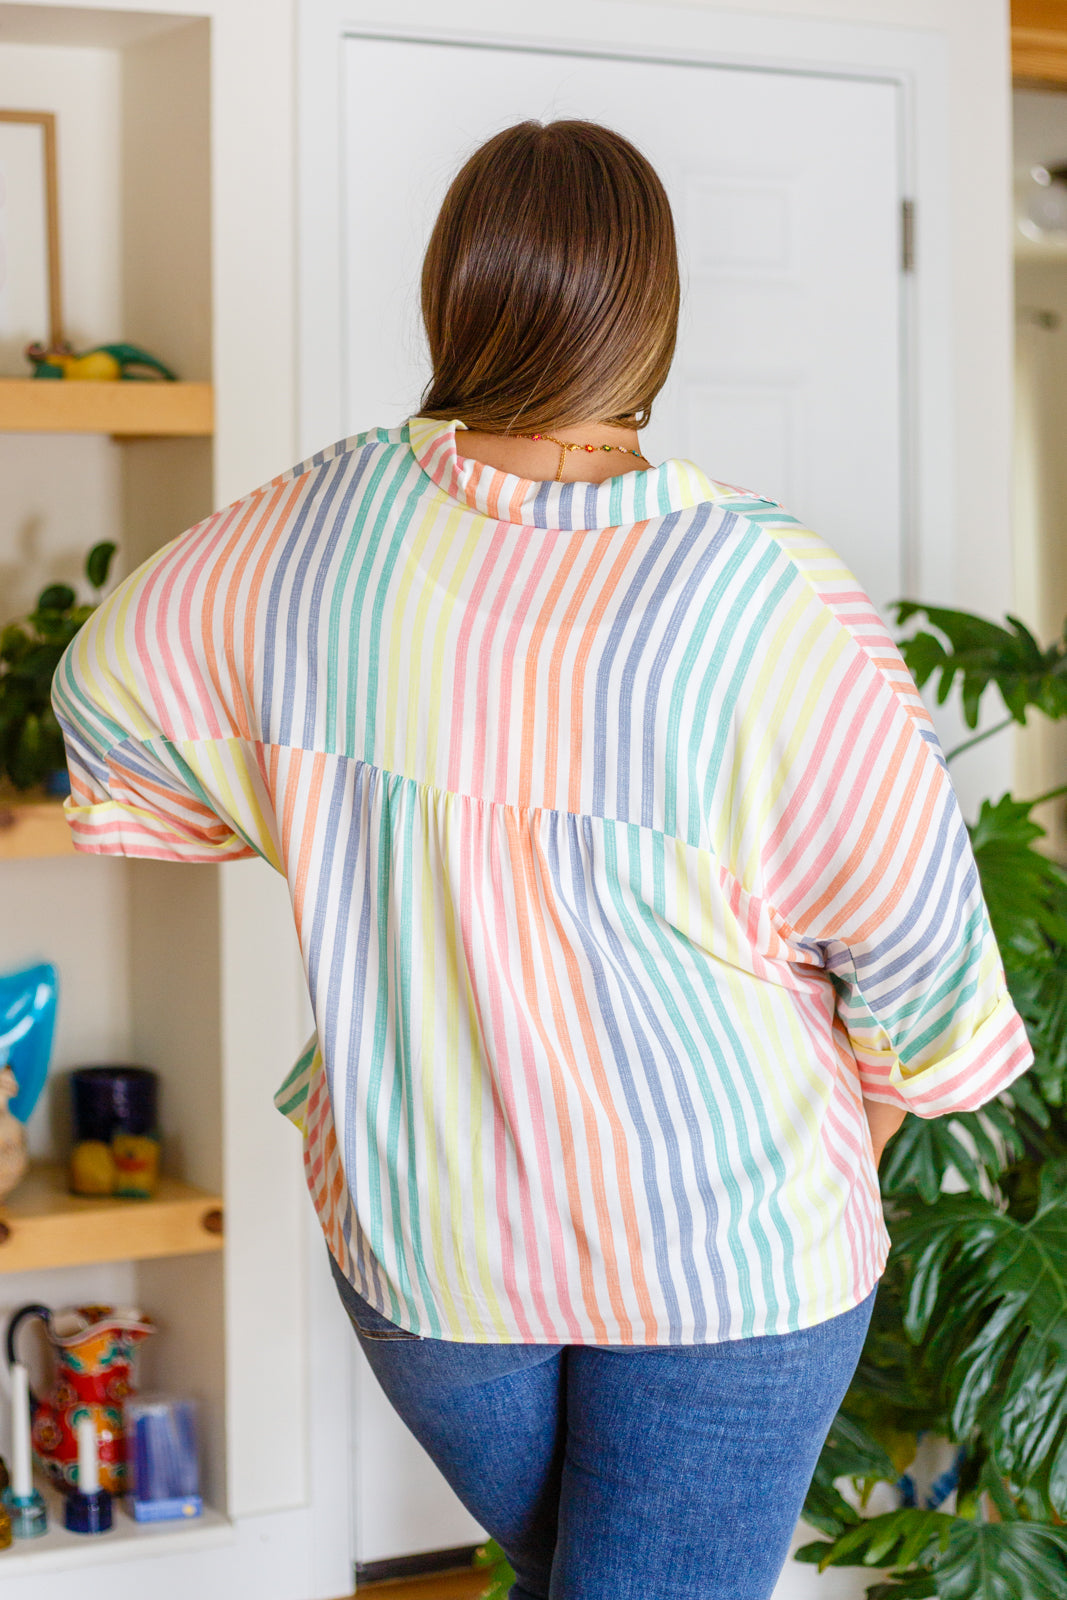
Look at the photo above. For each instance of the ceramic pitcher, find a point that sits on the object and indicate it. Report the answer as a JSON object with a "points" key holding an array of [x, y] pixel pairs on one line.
{"points": [[93, 1348]]}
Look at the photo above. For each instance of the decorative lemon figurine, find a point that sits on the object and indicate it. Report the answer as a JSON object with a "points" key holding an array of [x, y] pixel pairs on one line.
{"points": [[104, 364], [92, 1167]]}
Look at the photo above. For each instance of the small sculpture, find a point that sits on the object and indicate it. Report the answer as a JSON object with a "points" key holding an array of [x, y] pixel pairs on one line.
{"points": [[13, 1158], [103, 364]]}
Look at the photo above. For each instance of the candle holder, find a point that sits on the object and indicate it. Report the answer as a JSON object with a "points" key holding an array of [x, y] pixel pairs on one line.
{"points": [[29, 1519], [88, 1507], [25, 1507]]}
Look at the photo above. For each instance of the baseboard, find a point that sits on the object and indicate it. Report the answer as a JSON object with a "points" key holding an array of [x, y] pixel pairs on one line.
{"points": [[416, 1566]]}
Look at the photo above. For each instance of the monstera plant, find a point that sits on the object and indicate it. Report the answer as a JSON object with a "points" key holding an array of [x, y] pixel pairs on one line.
{"points": [[968, 1341]]}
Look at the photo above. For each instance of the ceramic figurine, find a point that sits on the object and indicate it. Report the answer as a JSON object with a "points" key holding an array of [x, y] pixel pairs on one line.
{"points": [[93, 1348], [13, 1158], [103, 364]]}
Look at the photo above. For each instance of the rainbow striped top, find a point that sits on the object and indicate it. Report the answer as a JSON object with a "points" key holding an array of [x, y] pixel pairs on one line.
{"points": [[624, 863]]}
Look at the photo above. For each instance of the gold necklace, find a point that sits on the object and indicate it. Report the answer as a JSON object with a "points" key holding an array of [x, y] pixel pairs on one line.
{"points": [[564, 447]]}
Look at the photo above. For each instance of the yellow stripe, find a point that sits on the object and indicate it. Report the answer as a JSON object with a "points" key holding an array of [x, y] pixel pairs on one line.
{"points": [[430, 1059], [455, 582], [414, 663], [760, 730]]}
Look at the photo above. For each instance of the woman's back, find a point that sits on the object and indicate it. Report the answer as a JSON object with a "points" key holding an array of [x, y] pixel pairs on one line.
{"points": [[597, 806]]}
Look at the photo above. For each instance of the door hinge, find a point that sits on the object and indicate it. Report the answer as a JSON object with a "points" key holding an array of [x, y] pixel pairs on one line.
{"points": [[907, 236]]}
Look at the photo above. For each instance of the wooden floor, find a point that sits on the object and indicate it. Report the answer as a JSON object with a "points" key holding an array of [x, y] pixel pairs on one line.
{"points": [[465, 1585]]}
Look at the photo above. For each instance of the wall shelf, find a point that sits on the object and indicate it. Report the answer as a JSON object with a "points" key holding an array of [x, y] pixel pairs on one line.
{"points": [[125, 409], [32, 825], [42, 1225], [58, 1550]]}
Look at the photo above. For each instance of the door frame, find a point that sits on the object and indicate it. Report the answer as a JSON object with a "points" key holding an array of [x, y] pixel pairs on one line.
{"points": [[915, 60]]}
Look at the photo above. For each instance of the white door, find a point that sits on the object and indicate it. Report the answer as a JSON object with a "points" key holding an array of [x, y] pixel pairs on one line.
{"points": [[786, 194]]}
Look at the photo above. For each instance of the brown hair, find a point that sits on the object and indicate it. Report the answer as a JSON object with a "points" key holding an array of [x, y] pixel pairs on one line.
{"points": [[550, 284]]}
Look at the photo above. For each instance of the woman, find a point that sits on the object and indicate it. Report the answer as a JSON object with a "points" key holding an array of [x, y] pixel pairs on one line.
{"points": [[636, 904]]}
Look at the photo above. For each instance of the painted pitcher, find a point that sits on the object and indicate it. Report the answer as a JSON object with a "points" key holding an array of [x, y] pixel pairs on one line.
{"points": [[93, 1348]]}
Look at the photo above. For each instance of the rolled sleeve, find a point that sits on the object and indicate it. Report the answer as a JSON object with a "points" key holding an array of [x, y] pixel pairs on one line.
{"points": [[864, 854], [134, 789]]}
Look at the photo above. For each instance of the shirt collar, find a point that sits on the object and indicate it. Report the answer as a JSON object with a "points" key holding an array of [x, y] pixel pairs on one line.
{"points": [[675, 485]]}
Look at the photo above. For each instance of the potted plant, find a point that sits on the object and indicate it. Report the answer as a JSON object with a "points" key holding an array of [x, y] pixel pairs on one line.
{"points": [[31, 744], [968, 1340]]}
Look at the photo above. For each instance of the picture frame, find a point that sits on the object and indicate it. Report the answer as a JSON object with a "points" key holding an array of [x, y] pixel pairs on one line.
{"points": [[30, 299]]}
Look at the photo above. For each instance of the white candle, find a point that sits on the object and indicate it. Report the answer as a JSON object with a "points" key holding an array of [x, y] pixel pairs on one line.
{"points": [[88, 1468], [21, 1469]]}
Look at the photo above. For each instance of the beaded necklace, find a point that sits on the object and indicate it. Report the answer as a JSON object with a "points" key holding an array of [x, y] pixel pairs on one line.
{"points": [[564, 447]]}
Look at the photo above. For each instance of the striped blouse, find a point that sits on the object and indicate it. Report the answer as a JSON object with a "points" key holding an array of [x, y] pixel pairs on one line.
{"points": [[624, 864]]}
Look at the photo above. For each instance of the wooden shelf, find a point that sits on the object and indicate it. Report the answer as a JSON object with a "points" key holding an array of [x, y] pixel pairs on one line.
{"points": [[42, 1225], [57, 1550], [1039, 42], [125, 410], [33, 825]]}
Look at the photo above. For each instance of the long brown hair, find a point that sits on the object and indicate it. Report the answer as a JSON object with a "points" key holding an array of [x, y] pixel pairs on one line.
{"points": [[550, 285]]}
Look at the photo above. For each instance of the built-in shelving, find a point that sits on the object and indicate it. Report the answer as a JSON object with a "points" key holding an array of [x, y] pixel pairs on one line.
{"points": [[125, 409], [126, 1539], [43, 1225], [32, 825]]}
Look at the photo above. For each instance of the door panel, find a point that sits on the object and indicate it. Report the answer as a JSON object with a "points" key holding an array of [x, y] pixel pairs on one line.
{"points": [[786, 195]]}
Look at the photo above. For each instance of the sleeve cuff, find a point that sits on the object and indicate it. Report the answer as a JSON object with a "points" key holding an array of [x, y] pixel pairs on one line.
{"points": [[108, 828], [997, 1053]]}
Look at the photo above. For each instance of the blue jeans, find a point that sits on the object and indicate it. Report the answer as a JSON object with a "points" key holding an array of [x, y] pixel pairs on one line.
{"points": [[625, 1472]]}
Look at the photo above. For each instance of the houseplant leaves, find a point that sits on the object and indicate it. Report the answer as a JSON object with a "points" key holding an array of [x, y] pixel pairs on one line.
{"points": [[980, 653], [956, 1558], [31, 742]]}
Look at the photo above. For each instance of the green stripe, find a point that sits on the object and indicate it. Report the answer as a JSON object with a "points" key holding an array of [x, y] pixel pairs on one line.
{"points": [[697, 644], [354, 611], [403, 1087]]}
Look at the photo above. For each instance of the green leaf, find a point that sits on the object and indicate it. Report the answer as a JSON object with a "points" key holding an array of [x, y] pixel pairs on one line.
{"points": [[98, 563], [963, 1559], [1002, 1561], [923, 1531], [919, 1156], [499, 1576], [982, 653], [1025, 891], [987, 1299], [57, 597]]}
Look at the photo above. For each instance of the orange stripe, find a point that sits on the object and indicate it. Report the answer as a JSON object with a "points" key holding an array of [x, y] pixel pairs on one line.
{"points": [[618, 1137], [307, 837], [530, 920], [251, 681]]}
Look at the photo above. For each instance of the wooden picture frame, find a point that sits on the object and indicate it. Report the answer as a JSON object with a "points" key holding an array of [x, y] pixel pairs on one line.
{"points": [[49, 246]]}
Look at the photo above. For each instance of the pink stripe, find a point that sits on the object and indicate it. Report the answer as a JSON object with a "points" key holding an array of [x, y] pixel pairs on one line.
{"points": [[989, 1067], [507, 1111], [459, 683], [520, 611], [828, 739], [165, 577], [822, 870]]}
